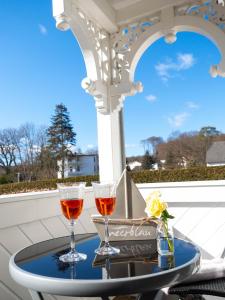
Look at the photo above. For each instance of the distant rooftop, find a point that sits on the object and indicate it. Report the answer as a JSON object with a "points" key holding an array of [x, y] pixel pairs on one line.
{"points": [[216, 153]]}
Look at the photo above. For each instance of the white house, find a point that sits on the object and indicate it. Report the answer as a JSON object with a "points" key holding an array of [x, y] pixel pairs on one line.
{"points": [[134, 164], [79, 165]]}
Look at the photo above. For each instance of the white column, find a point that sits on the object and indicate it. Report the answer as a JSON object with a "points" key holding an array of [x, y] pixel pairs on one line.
{"points": [[110, 145]]}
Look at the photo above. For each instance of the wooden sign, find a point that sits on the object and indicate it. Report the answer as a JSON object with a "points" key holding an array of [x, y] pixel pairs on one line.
{"points": [[127, 229]]}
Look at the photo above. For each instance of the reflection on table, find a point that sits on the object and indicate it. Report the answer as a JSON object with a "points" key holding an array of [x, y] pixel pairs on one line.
{"points": [[136, 258]]}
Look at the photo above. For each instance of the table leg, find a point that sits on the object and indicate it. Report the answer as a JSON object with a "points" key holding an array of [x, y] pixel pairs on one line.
{"points": [[36, 295]]}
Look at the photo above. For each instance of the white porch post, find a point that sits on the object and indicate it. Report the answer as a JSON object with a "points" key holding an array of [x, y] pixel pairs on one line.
{"points": [[109, 108], [110, 145], [109, 105]]}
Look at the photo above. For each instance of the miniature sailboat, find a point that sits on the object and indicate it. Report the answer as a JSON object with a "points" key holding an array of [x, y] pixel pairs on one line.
{"points": [[128, 222]]}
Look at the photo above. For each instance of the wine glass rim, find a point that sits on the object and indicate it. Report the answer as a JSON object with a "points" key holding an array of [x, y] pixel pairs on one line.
{"points": [[99, 187]]}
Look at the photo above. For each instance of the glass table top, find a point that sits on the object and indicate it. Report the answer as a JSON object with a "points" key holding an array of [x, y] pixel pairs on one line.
{"points": [[136, 258]]}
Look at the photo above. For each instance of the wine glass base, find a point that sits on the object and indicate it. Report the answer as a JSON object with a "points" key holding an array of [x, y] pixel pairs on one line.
{"points": [[72, 257], [107, 250]]}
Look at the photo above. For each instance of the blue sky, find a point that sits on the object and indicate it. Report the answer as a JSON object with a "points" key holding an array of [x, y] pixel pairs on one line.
{"points": [[41, 67]]}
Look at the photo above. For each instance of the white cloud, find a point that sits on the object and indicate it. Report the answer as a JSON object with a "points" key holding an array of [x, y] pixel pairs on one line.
{"points": [[178, 120], [166, 70], [151, 98], [130, 145], [163, 69], [90, 146], [192, 105], [185, 61], [42, 29]]}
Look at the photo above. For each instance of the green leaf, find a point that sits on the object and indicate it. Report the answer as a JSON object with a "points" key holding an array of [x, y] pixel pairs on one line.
{"points": [[165, 215], [171, 217]]}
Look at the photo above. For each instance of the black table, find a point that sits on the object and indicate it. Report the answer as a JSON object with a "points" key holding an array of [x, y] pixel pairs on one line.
{"points": [[137, 269]]}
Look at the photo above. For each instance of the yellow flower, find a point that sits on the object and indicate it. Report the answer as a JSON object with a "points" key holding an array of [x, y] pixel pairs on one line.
{"points": [[154, 205], [153, 195]]}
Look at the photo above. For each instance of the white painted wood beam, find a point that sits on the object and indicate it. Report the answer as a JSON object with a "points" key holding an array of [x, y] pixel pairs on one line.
{"points": [[101, 12], [143, 9], [118, 4], [167, 17]]}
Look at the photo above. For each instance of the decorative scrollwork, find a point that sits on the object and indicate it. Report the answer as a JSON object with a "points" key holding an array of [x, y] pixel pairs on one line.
{"points": [[114, 64], [211, 10], [122, 41], [100, 39]]}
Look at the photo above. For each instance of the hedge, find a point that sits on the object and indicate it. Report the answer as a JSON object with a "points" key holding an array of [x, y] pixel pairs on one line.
{"points": [[42, 185], [176, 175]]}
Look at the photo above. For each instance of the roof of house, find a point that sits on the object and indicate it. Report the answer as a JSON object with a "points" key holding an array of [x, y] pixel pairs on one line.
{"points": [[75, 155], [86, 154], [216, 153], [131, 159]]}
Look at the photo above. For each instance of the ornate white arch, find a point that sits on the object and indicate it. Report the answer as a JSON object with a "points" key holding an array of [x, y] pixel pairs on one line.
{"points": [[181, 23], [203, 17], [111, 59]]}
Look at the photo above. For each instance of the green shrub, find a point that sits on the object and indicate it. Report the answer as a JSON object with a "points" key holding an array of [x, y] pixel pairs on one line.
{"points": [[42, 185], [4, 179], [175, 175]]}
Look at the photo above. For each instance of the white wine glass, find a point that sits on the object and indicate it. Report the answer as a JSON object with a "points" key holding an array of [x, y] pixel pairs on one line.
{"points": [[105, 200], [71, 201]]}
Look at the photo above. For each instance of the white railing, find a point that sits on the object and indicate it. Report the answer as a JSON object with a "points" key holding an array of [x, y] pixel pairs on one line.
{"points": [[198, 207]]}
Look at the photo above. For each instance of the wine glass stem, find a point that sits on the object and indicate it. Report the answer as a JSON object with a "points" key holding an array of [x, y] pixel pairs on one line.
{"points": [[72, 237], [73, 271], [106, 231]]}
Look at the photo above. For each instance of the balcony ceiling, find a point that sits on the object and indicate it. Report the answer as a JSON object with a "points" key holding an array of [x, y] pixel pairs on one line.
{"points": [[119, 4], [110, 14]]}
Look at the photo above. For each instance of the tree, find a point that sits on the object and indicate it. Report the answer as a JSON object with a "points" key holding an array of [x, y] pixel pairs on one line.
{"points": [[7, 150], [170, 159], [185, 150], [151, 143], [46, 164], [155, 141], [61, 135], [173, 135], [208, 131], [28, 140], [147, 161], [189, 148], [145, 145], [24, 152]]}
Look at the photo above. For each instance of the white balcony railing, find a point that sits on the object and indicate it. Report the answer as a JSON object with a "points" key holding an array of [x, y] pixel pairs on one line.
{"points": [[198, 207]]}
